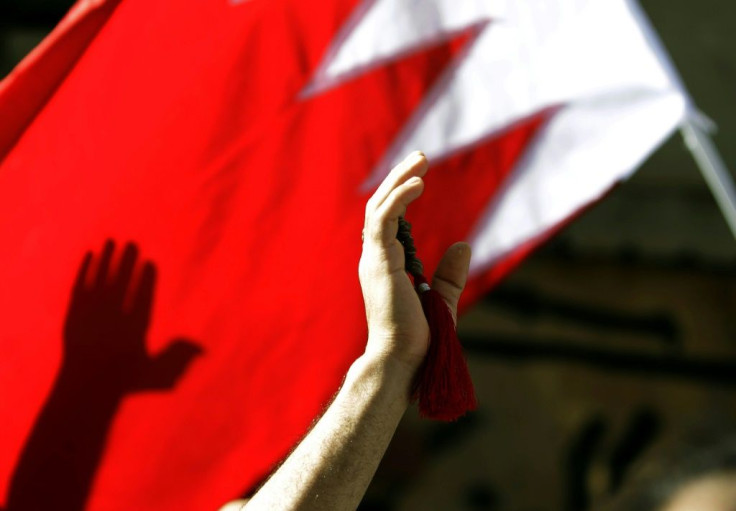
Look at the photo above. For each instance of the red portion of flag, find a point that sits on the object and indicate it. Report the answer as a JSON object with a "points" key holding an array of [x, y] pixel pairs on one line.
{"points": [[178, 126], [25, 92]]}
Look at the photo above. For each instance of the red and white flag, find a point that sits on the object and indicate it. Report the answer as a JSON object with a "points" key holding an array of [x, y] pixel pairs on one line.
{"points": [[235, 143]]}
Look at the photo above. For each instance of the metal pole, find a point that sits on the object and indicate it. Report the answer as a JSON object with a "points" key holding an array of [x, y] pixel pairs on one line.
{"points": [[713, 169]]}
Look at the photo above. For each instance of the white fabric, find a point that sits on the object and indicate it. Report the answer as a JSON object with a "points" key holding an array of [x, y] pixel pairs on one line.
{"points": [[593, 59]]}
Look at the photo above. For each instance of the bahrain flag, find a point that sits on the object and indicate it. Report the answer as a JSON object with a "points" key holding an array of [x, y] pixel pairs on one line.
{"points": [[182, 188]]}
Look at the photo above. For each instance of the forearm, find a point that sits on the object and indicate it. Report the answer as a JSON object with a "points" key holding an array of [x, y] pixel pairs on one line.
{"points": [[332, 467]]}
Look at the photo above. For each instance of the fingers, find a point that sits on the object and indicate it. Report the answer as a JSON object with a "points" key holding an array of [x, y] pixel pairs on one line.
{"points": [[384, 223], [415, 164], [103, 267], [116, 287], [127, 264], [452, 274], [81, 282], [142, 300], [122, 280], [402, 186]]}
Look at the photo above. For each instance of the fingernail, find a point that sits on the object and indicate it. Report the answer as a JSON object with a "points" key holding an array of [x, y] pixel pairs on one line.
{"points": [[463, 248], [415, 156]]}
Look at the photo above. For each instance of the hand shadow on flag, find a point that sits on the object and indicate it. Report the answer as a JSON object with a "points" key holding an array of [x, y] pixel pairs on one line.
{"points": [[104, 360]]}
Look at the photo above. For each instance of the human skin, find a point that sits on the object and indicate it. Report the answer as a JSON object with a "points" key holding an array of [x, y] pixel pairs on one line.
{"points": [[334, 463]]}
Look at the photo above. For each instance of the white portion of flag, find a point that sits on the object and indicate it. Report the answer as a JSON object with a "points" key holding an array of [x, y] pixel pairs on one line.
{"points": [[382, 30], [580, 154], [621, 100], [616, 98]]}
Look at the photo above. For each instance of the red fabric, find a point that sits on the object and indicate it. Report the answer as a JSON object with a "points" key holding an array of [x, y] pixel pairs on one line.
{"points": [[178, 126], [33, 82]]}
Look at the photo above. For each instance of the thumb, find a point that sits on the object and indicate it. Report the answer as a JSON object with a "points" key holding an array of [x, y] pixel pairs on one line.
{"points": [[167, 367], [451, 275]]}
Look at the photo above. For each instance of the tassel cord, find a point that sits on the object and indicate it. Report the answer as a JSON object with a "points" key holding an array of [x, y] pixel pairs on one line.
{"points": [[443, 387]]}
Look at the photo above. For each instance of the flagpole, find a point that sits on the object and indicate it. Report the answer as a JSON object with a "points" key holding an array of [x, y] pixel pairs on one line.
{"points": [[712, 167], [694, 129]]}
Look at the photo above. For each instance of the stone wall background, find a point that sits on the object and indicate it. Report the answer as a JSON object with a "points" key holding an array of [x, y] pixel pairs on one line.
{"points": [[611, 345]]}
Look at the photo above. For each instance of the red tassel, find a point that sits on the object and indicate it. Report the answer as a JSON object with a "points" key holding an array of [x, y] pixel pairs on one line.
{"points": [[444, 387]]}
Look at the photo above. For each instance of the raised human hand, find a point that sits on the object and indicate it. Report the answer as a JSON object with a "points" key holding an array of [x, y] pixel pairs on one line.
{"points": [[397, 328]]}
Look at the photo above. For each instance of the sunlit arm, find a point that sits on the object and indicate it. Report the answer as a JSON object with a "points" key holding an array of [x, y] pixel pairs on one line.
{"points": [[333, 465]]}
